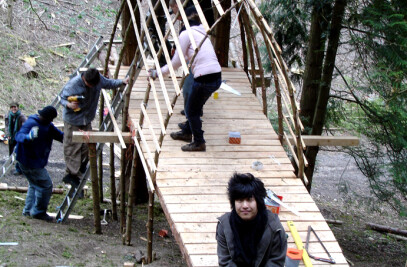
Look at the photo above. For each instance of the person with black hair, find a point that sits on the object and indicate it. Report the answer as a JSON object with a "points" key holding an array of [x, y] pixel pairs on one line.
{"points": [[207, 79], [249, 235], [78, 116], [34, 142]]}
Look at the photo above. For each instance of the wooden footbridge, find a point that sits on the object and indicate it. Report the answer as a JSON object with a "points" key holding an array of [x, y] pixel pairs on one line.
{"points": [[191, 186]]}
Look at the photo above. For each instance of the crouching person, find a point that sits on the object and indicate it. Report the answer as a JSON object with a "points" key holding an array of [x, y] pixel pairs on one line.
{"points": [[34, 142], [249, 235]]}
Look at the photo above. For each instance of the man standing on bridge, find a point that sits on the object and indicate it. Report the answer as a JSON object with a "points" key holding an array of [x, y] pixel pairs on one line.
{"points": [[80, 98]]}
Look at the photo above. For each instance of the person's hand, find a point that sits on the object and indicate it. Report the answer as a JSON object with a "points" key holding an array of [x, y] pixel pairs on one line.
{"points": [[73, 105], [126, 80], [152, 73], [33, 133]]}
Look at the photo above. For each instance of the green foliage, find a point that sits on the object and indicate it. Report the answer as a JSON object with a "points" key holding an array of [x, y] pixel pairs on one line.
{"points": [[382, 97], [288, 20], [374, 107]]}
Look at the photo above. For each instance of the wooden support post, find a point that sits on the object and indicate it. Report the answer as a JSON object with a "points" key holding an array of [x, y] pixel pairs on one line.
{"points": [[131, 200], [113, 182], [243, 39], [150, 227], [251, 56], [251, 36], [95, 188]]}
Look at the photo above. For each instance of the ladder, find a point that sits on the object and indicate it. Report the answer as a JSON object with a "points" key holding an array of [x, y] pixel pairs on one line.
{"points": [[94, 51], [72, 196], [11, 160], [90, 57]]}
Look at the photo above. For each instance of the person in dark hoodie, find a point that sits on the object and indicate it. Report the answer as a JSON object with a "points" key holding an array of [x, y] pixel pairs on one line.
{"points": [[249, 235], [34, 142]]}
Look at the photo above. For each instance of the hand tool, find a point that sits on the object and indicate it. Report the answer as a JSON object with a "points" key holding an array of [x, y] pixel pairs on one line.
{"points": [[299, 244], [330, 260]]}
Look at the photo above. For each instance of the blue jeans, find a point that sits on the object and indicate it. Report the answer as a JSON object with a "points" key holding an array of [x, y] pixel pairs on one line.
{"points": [[39, 190], [200, 93], [186, 89]]}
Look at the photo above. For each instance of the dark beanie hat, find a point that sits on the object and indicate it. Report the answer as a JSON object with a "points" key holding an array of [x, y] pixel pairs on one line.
{"points": [[14, 104], [49, 113], [190, 11]]}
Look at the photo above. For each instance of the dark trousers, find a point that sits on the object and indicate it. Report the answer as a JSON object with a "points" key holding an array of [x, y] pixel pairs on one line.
{"points": [[200, 93]]}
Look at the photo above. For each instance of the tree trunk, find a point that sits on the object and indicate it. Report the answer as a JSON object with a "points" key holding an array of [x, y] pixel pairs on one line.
{"points": [[312, 79], [325, 85], [222, 35], [10, 13], [329, 64], [131, 45], [313, 65]]}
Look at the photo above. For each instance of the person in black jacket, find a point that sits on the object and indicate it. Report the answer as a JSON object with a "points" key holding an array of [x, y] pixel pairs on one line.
{"points": [[249, 235]]}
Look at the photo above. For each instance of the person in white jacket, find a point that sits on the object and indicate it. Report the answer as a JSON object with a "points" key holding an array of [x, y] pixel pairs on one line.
{"points": [[207, 79]]}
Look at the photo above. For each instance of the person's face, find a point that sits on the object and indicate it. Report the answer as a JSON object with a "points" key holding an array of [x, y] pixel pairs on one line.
{"points": [[14, 109], [246, 208], [174, 9]]}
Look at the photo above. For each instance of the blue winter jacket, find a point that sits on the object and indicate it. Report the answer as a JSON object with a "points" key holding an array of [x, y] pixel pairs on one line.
{"points": [[34, 153], [76, 87]]}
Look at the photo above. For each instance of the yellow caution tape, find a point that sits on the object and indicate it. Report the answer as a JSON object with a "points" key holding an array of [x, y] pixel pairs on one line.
{"points": [[297, 239]]}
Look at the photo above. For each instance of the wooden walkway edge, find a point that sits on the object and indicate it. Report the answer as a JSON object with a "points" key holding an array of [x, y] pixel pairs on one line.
{"points": [[191, 186]]}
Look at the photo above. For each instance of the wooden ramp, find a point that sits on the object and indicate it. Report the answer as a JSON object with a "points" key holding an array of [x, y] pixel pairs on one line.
{"points": [[191, 186]]}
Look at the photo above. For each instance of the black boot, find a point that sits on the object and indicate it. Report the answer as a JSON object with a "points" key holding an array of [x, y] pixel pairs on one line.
{"points": [[71, 179], [194, 147], [181, 136]]}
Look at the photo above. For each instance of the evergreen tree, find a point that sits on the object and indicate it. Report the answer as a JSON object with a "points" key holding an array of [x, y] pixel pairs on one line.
{"points": [[379, 34]]}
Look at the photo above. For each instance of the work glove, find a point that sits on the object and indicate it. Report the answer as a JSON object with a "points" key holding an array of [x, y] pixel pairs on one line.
{"points": [[33, 133], [152, 73]]}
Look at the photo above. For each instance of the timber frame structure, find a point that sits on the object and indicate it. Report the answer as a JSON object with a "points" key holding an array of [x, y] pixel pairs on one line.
{"points": [[145, 123]]}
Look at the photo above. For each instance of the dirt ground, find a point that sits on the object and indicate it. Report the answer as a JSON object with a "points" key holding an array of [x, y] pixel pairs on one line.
{"points": [[74, 243], [339, 189]]}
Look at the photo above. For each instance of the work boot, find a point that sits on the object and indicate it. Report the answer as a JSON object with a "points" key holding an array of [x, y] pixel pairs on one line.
{"points": [[182, 125], [84, 166], [71, 179], [43, 216], [194, 147], [181, 136]]}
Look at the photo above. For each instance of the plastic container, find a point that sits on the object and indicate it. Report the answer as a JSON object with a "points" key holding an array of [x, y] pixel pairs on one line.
{"points": [[257, 166], [234, 138]]}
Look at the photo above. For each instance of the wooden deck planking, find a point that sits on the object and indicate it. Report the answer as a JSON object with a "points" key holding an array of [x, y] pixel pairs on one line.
{"points": [[192, 185]]}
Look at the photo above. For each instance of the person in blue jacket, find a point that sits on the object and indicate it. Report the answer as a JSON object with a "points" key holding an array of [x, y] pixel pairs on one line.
{"points": [[34, 142]]}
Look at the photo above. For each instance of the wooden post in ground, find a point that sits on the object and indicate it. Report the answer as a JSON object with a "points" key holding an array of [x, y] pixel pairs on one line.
{"points": [[113, 183], [131, 200], [150, 226], [95, 187], [251, 36]]}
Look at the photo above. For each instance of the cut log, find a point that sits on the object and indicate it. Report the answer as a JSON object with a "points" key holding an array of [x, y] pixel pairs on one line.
{"points": [[386, 229], [337, 222], [29, 71], [5, 187]]}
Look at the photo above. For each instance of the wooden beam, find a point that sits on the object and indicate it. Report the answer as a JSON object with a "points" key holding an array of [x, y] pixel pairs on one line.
{"points": [[99, 137], [317, 140]]}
